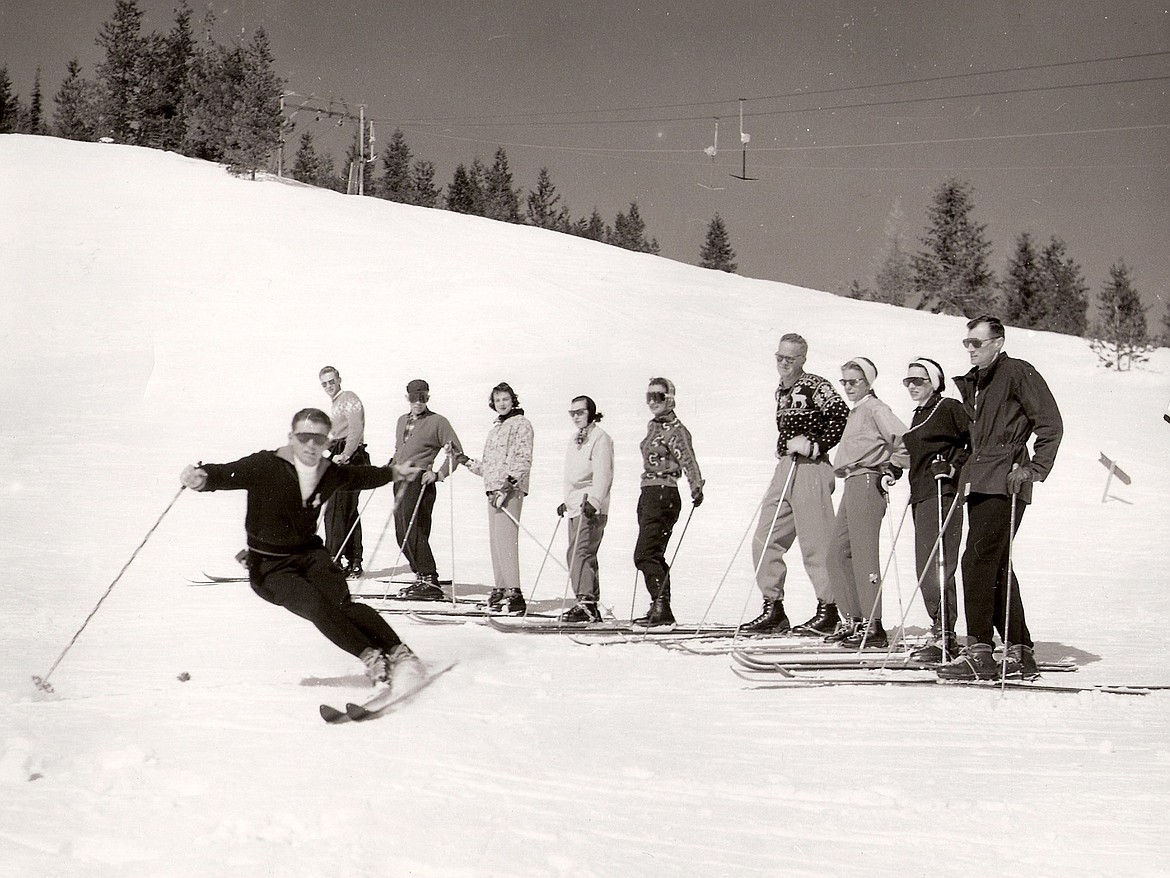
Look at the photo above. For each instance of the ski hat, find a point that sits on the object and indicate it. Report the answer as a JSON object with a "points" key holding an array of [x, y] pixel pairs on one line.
{"points": [[933, 370], [418, 386], [865, 364]]}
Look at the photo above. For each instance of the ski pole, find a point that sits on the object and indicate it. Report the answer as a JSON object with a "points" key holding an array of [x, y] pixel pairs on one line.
{"points": [[892, 561], [540, 570], [572, 559], [42, 683], [944, 620], [669, 566], [405, 537], [535, 539], [353, 526], [768, 539], [730, 564], [1007, 604], [451, 503]]}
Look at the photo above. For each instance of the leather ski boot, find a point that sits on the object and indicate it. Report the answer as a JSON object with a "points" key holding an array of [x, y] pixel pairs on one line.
{"points": [[823, 622]]}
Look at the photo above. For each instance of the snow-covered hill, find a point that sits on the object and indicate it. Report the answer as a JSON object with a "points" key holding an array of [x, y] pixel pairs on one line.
{"points": [[156, 311]]}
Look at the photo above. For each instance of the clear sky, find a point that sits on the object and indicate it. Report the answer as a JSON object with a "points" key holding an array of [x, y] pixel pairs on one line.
{"points": [[1055, 111]]}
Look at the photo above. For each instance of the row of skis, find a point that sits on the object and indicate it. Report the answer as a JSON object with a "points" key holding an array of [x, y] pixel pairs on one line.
{"points": [[769, 661]]}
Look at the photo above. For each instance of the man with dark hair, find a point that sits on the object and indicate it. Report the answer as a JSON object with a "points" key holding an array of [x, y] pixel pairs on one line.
{"points": [[420, 435], [1009, 403], [286, 560], [346, 445], [810, 418]]}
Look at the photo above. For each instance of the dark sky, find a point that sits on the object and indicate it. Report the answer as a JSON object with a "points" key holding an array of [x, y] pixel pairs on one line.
{"points": [[1056, 111]]}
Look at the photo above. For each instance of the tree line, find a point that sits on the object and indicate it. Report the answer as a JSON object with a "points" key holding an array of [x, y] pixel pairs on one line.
{"points": [[1041, 288]]}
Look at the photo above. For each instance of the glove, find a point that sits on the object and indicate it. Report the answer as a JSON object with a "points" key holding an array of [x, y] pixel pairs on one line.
{"points": [[462, 459], [799, 445], [428, 477], [561, 510], [588, 510], [890, 476], [1019, 477], [193, 478], [942, 470], [500, 496], [697, 497]]}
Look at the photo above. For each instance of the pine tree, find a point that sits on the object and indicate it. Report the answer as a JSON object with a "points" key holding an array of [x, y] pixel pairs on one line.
{"points": [[1166, 327], [593, 228], [461, 197], [209, 100], [168, 62], [1065, 293], [501, 201], [73, 118], [1022, 288], [423, 181], [257, 119], [120, 75], [716, 252], [306, 163], [397, 183], [9, 105], [629, 232], [951, 272], [894, 281], [542, 205], [1120, 336], [36, 114]]}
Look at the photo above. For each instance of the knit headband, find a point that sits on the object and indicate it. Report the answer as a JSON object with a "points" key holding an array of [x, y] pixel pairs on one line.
{"points": [[865, 364], [932, 369]]}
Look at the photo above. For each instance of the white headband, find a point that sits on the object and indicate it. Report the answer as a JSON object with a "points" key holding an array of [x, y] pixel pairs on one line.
{"points": [[933, 372], [865, 364]]}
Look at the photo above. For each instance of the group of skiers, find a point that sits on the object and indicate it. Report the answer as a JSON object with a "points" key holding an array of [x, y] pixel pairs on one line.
{"points": [[974, 453]]}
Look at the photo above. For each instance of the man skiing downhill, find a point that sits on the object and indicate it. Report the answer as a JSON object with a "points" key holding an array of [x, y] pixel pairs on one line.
{"points": [[287, 563]]}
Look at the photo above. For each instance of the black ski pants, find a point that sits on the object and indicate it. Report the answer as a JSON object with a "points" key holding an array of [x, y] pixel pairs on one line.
{"points": [[658, 510], [415, 539], [985, 571], [311, 586], [341, 519]]}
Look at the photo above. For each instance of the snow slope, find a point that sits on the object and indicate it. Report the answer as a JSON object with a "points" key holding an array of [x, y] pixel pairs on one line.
{"points": [[156, 311]]}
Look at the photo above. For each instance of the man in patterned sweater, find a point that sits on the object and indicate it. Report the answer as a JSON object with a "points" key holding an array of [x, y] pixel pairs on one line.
{"points": [[810, 418]]}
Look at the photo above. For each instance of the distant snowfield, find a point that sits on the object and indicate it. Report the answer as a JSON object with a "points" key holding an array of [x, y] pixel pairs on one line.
{"points": [[156, 311]]}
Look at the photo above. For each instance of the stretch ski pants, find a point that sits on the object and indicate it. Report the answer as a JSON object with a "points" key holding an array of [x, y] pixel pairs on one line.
{"points": [[925, 534], [805, 512], [584, 542], [310, 585], [854, 565], [504, 540], [985, 571], [658, 510], [341, 519], [415, 538]]}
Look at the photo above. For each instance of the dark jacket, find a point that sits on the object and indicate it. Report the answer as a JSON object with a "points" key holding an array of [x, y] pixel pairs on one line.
{"points": [[277, 521], [1009, 403], [940, 426]]}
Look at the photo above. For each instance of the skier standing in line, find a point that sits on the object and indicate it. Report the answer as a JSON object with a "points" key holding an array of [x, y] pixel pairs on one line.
{"points": [[1010, 403], [810, 417], [287, 562], [667, 453], [870, 458], [938, 441], [588, 481], [347, 445], [419, 436], [505, 467]]}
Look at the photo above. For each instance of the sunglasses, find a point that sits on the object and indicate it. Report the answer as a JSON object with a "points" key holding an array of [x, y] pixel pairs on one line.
{"points": [[973, 344], [312, 438], [418, 396], [655, 396], [914, 381], [780, 358], [575, 412], [851, 382]]}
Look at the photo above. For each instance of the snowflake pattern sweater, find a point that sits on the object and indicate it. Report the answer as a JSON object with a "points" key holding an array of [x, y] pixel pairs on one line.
{"points": [[810, 408]]}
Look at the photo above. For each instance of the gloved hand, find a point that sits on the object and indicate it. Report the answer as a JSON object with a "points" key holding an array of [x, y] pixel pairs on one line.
{"points": [[890, 476], [500, 496], [462, 459], [428, 477], [588, 510], [799, 445], [561, 510], [1019, 477], [941, 469], [697, 497]]}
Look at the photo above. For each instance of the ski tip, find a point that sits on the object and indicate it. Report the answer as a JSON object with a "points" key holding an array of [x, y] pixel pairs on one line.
{"points": [[356, 712], [332, 714]]}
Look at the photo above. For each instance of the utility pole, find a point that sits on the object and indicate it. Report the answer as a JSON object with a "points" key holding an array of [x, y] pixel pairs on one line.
{"points": [[362, 150]]}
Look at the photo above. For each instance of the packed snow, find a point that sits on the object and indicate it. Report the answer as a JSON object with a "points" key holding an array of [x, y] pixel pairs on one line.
{"points": [[158, 311]]}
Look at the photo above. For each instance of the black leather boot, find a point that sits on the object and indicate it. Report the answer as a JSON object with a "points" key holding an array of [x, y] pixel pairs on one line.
{"points": [[771, 620], [823, 622]]}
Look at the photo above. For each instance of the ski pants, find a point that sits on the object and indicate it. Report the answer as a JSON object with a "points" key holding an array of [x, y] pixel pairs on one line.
{"points": [[341, 519], [806, 511], [504, 541], [926, 520], [985, 571], [584, 542], [658, 510], [854, 565], [415, 536], [311, 586]]}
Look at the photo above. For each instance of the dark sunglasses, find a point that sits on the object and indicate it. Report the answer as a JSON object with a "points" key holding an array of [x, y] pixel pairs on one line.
{"points": [[914, 381], [418, 396], [973, 344], [312, 438], [574, 412], [655, 396], [781, 358], [851, 382]]}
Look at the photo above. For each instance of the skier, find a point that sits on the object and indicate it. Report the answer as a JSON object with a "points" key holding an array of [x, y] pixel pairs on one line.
{"points": [[870, 458], [667, 453], [1010, 403], [287, 563], [938, 441], [810, 417], [419, 436], [346, 445], [505, 466], [588, 480]]}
